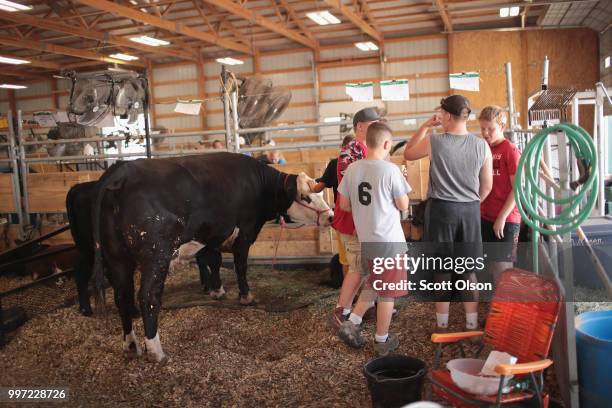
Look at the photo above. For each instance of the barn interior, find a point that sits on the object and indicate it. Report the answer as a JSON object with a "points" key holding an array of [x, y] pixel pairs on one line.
{"points": [[86, 84]]}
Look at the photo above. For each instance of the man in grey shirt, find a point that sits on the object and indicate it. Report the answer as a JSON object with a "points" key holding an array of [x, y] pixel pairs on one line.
{"points": [[460, 177]]}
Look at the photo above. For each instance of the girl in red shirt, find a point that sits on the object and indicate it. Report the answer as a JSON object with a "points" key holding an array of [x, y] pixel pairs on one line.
{"points": [[500, 219]]}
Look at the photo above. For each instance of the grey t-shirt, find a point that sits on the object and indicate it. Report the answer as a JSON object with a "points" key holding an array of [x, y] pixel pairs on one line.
{"points": [[454, 171], [372, 187]]}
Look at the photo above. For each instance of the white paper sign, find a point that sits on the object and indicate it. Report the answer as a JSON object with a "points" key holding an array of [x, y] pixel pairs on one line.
{"points": [[45, 119], [395, 90], [465, 81], [191, 108], [363, 92]]}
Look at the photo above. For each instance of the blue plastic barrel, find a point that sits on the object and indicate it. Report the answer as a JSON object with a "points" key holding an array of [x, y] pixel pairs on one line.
{"points": [[594, 349]]}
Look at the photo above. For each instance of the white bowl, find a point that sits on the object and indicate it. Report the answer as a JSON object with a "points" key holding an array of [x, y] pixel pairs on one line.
{"points": [[464, 373]]}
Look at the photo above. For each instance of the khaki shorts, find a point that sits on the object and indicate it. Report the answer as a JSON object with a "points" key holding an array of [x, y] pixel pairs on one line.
{"points": [[341, 250], [353, 253]]}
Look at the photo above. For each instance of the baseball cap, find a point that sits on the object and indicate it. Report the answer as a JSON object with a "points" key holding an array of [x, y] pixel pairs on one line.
{"points": [[458, 105], [366, 115]]}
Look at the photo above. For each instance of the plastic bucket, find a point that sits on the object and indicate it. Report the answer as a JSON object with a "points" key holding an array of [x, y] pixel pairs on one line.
{"points": [[395, 380], [594, 352]]}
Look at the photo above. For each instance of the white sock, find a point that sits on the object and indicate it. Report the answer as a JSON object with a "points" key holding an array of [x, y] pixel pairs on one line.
{"points": [[442, 320], [346, 312], [381, 339], [471, 321], [355, 319]]}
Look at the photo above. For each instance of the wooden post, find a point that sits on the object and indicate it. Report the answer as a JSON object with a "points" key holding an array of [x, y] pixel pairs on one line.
{"points": [[55, 95], [256, 61], [11, 100], [202, 89]]}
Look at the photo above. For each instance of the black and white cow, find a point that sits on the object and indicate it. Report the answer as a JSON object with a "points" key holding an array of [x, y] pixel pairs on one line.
{"points": [[146, 209]]}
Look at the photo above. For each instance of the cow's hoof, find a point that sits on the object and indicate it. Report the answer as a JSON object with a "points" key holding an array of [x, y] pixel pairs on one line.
{"points": [[86, 311], [131, 348], [246, 300], [218, 294]]}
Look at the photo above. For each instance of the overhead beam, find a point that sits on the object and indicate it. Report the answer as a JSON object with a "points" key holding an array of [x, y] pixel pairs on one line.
{"points": [[250, 15], [21, 74], [127, 12], [355, 19], [52, 25], [296, 19], [60, 49], [448, 24], [34, 62]]}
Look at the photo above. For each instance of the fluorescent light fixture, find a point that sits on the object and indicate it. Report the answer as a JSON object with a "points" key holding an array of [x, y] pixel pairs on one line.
{"points": [[229, 61], [124, 57], [14, 61], [514, 11], [153, 42], [504, 12], [134, 2], [323, 17], [9, 86], [332, 119], [410, 122], [12, 6], [366, 46], [607, 62]]}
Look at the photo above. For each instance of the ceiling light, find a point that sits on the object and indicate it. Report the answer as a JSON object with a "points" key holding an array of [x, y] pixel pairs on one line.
{"points": [[607, 62], [514, 11], [504, 12], [366, 46], [15, 61], [134, 2], [323, 17], [153, 42], [9, 86], [229, 61], [124, 57], [12, 6]]}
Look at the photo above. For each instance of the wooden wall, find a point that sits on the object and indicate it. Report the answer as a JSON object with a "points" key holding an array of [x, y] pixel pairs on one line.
{"points": [[573, 55]]}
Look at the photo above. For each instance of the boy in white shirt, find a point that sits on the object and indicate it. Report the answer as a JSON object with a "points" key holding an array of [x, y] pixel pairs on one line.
{"points": [[375, 191]]}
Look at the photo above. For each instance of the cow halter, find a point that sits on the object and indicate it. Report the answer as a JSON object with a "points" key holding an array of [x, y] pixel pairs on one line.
{"points": [[319, 212]]}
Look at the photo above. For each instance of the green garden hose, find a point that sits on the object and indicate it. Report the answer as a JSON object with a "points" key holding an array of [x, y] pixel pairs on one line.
{"points": [[527, 191]]}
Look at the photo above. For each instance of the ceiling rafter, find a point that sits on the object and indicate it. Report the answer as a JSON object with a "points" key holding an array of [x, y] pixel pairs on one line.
{"points": [[448, 24], [239, 10], [167, 25], [60, 49], [368, 12], [34, 62], [91, 34], [355, 19], [21, 74], [296, 20]]}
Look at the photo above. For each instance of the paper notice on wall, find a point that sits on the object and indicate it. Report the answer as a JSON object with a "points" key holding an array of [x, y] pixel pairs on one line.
{"points": [[188, 108], [465, 81], [394, 90], [45, 119], [61, 117], [363, 92]]}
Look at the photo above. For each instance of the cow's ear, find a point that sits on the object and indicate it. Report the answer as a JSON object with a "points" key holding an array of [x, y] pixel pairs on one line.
{"points": [[302, 184]]}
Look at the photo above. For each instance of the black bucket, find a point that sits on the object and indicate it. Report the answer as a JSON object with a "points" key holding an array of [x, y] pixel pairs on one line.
{"points": [[395, 380]]}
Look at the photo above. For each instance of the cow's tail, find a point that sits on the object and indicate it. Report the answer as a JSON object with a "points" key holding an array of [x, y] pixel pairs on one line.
{"points": [[112, 179]]}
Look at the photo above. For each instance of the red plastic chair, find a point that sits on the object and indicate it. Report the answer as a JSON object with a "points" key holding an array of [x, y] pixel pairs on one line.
{"points": [[521, 322]]}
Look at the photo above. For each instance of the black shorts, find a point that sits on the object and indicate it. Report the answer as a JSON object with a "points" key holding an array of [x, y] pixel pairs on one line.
{"points": [[500, 250], [452, 228]]}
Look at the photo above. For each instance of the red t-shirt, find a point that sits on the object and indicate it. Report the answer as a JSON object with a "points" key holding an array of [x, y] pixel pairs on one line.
{"points": [[505, 162], [355, 150]]}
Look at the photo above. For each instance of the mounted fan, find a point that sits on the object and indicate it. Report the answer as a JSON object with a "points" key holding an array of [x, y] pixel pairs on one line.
{"points": [[129, 97], [94, 94], [90, 100], [259, 104]]}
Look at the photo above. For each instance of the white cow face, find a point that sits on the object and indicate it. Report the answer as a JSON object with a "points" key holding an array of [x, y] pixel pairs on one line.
{"points": [[309, 208]]}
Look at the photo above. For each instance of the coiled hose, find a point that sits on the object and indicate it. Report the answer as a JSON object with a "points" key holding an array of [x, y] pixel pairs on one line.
{"points": [[527, 191]]}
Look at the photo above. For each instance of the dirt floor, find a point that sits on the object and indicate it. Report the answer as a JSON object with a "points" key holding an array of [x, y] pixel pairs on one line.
{"points": [[280, 352]]}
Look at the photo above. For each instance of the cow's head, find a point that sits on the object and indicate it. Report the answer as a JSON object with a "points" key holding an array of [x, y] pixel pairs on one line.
{"points": [[309, 208]]}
